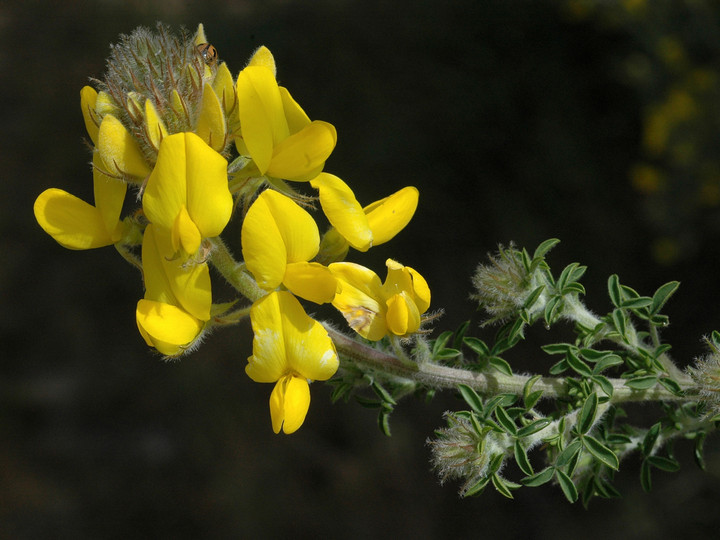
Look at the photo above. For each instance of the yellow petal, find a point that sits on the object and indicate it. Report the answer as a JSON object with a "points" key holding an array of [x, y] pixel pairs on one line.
{"points": [[211, 121], [263, 245], [119, 150], [154, 126], [185, 233], [88, 99], [296, 117], [105, 104], [360, 299], [389, 216], [276, 231], [262, 119], [169, 328], [268, 362], [299, 156], [109, 198], [224, 88], [72, 222], [200, 35], [173, 280], [309, 350], [188, 173], [311, 281], [403, 316], [343, 211], [421, 291], [263, 57], [289, 404]]}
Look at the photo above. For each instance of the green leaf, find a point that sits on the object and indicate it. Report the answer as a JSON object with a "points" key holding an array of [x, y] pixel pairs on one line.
{"points": [[645, 476], [532, 298], [567, 486], [505, 421], [642, 383], [593, 355], [664, 464], [604, 384], [471, 398], [577, 365], [662, 295], [544, 247], [636, 303], [671, 385], [551, 309], [522, 459], [536, 426], [568, 453], [614, 290], [601, 452], [587, 415], [477, 488], [559, 367], [698, 451], [501, 487], [446, 354], [477, 345], [383, 394], [538, 479], [558, 348], [650, 438], [501, 365], [530, 398], [441, 341], [460, 335], [384, 422], [606, 362], [620, 322]]}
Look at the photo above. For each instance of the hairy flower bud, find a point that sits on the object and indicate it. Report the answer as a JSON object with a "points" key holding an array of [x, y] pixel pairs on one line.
{"points": [[158, 84], [706, 374], [503, 285], [465, 451]]}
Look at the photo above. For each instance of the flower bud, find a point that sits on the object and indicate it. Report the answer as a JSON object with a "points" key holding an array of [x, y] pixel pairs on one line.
{"points": [[465, 451]]}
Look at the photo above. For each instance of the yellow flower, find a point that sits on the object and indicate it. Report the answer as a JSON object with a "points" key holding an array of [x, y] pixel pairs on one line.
{"points": [[289, 348], [278, 239], [75, 224], [177, 300], [373, 225], [275, 131], [374, 309], [187, 194]]}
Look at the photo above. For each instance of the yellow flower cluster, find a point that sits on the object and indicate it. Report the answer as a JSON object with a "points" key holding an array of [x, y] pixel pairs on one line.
{"points": [[166, 120]]}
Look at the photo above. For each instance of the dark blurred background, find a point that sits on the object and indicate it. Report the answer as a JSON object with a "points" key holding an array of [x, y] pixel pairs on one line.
{"points": [[593, 122]]}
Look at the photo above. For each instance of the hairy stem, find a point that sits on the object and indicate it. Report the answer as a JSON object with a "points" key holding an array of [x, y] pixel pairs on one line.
{"points": [[439, 376]]}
